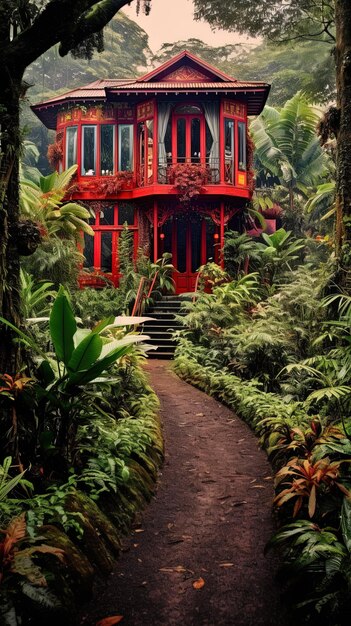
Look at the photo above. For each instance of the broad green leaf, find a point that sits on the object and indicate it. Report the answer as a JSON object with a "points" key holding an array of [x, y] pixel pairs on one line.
{"points": [[85, 354], [62, 326], [346, 522]]}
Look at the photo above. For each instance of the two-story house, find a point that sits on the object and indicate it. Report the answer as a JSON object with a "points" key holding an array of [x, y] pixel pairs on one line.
{"points": [[166, 153]]}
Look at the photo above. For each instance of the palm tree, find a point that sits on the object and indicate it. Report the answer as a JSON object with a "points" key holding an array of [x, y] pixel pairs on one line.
{"points": [[288, 149]]}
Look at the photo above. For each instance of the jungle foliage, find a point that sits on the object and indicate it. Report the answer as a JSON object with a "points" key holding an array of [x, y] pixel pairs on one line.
{"points": [[272, 341]]}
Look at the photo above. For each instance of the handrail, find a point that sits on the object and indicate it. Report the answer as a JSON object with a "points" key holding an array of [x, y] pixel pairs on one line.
{"points": [[139, 297], [153, 284]]}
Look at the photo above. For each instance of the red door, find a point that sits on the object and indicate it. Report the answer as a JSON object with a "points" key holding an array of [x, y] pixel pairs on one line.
{"points": [[190, 240]]}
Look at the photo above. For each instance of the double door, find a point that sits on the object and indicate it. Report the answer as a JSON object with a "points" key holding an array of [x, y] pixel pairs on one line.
{"points": [[191, 241]]}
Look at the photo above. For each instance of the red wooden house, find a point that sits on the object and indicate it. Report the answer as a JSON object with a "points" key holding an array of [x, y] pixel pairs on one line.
{"points": [[166, 153]]}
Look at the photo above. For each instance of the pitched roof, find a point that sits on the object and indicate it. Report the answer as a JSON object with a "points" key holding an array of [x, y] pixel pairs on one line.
{"points": [[183, 73], [185, 57]]}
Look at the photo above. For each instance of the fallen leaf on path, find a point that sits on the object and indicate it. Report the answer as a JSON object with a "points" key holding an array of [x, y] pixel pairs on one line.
{"points": [[199, 583], [226, 564], [199, 414], [110, 621], [239, 503], [139, 530]]}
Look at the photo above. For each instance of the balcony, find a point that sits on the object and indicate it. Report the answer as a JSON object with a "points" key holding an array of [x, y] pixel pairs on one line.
{"points": [[167, 179]]}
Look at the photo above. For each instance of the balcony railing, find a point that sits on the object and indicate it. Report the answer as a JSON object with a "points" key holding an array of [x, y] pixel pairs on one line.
{"points": [[212, 166]]}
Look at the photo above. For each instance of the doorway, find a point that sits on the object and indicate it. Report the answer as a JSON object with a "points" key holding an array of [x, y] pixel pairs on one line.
{"points": [[191, 239]]}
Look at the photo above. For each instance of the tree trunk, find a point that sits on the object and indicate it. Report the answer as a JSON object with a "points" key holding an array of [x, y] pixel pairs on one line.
{"points": [[343, 82], [11, 89]]}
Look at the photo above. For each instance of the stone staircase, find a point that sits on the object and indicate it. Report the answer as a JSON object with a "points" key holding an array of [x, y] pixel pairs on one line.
{"points": [[161, 329]]}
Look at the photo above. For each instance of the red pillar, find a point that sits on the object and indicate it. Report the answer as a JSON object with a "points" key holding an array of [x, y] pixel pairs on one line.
{"points": [[221, 233], [155, 232]]}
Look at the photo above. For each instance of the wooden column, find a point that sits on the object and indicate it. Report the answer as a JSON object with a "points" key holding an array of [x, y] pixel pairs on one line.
{"points": [[221, 234], [155, 232]]}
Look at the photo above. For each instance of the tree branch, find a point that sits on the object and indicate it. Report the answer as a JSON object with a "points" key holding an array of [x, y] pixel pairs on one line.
{"points": [[51, 27]]}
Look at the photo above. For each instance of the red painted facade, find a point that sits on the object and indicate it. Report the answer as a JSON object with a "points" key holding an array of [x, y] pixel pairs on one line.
{"points": [[133, 139]]}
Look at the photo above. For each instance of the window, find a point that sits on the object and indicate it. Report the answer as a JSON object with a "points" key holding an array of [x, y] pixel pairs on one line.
{"points": [[181, 140], [229, 150], [107, 216], [125, 147], [242, 145], [106, 252], [195, 140], [107, 149], [150, 149], [71, 146], [88, 150], [101, 251], [125, 214], [88, 250]]}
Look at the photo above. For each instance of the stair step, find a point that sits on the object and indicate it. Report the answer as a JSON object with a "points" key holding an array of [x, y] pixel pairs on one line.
{"points": [[165, 343], [155, 354]]}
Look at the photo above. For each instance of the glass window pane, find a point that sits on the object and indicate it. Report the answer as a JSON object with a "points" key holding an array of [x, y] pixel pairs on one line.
{"points": [[88, 250], [181, 246], [89, 151], [106, 149], [195, 231], [125, 147], [210, 241], [106, 252], [150, 149], [125, 214], [242, 145], [229, 150], [71, 146], [181, 140], [195, 140], [107, 216]]}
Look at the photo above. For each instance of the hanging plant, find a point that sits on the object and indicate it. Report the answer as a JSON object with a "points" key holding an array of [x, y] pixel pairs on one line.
{"points": [[188, 179], [250, 149], [55, 154], [113, 184]]}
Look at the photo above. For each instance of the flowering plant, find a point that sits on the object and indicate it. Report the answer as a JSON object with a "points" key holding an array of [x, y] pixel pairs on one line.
{"points": [[113, 184], [188, 179]]}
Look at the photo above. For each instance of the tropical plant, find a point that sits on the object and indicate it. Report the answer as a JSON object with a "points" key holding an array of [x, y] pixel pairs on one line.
{"points": [[44, 203], [279, 252], [287, 147], [20, 572], [80, 356], [36, 297]]}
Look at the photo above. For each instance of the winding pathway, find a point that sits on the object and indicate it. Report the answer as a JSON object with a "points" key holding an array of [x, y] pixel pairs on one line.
{"points": [[209, 523]]}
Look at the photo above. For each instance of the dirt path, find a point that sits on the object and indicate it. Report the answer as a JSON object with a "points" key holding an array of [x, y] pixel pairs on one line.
{"points": [[210, 520]]}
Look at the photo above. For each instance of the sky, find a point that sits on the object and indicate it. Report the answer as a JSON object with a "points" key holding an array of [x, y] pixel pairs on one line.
{"points": [[172, 20]]}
